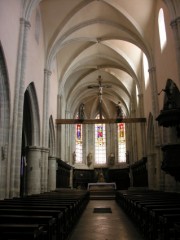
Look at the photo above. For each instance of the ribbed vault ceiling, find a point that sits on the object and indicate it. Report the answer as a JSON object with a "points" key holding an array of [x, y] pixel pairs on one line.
{"points": [[89, 38]]}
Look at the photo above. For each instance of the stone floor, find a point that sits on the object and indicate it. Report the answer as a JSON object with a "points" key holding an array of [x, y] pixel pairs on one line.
{"points": [[104, 226]]}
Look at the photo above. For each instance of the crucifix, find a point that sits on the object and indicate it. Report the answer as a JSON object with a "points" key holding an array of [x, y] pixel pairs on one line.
{"points": [[119, 119], [100, 86]]}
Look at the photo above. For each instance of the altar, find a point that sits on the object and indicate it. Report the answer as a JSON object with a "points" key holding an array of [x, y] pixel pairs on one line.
{"points": [[102, 186]]}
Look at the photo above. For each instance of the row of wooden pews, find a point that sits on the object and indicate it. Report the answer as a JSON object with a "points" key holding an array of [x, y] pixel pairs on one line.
{"points": [[156, 213], [45, 216]]}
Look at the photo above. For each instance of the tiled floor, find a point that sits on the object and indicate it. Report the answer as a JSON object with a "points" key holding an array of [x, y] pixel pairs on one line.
{"points": [[104, 226]]}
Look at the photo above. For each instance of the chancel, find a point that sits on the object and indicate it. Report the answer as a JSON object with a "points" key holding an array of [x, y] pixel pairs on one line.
{"points": [[89, 119]]}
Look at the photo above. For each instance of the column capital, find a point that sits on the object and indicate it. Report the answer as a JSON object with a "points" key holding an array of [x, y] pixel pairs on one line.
{"points": [[51, 158], [47, 71], [151, 154], [140, 95], [175, 22], [33, 148], [152, 69], [45, 150], [25, 22]]}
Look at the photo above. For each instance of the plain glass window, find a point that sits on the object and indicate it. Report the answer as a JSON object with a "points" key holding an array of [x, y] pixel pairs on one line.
{"points": [[162, 29]]}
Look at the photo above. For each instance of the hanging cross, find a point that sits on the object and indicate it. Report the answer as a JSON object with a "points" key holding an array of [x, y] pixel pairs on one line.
{"points": [[98, 121], [100, 86]]}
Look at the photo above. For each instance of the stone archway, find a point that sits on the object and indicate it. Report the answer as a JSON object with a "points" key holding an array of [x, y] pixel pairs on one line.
{"points": [[30, 141], [4, 125]]}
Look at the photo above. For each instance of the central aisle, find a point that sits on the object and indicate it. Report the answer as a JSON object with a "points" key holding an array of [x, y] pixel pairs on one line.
{"points": [[104, 226]]}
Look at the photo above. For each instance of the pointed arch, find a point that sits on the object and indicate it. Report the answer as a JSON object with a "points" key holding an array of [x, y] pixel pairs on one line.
{"points": [[31, 119], [4, 123], [4, 100]]}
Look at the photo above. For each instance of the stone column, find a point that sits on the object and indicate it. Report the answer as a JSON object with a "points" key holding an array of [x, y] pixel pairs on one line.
{"points": [[52, 173], [142, 125], [15, 155], [134, 146], [155, 104], [44, 169], [151, 170], [157, 135], [67, 140], [131, 178], [71, 179], [45, 130], [45, 133], [175, 24], [33, 170]]}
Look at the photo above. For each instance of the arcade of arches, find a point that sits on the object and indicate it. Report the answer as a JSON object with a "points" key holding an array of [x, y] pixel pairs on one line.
{"points": [[52, 54]]}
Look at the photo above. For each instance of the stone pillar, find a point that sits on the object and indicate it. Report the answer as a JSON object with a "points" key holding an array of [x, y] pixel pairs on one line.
{"points": [[33, 170], [52, 173], [67, 140], [44, 169], [134, 146], [45, 130], [45, 133], [142, 125], [15, 155], [131, 178], [71, 179], [155, 104], [157, 135], [175, 24], [151, 170], [58, 127]]}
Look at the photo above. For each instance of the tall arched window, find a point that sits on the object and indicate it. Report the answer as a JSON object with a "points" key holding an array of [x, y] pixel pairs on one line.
{"points": [[100, 143], [79, 139], [162, 29], [146, 71], [121, 143]]}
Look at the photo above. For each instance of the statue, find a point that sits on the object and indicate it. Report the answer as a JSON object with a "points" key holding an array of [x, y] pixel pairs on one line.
{"points": [[119, 110], [89, 159], [81, 111], [111, 159], [74, 157], [170, 93], [101, 176]]}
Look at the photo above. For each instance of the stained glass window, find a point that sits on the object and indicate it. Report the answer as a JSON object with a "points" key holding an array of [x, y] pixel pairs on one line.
{"points": [[100, 143], [121, 143], [79, 137]]}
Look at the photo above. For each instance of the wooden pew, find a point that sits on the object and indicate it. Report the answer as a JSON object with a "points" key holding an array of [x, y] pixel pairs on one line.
{"points": [[22, 232], [69, 204], [176, 230], [167, 222], [46, 221], [58, 215], [154, 222], [139, 204], [65, 210], [149, 219]]}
